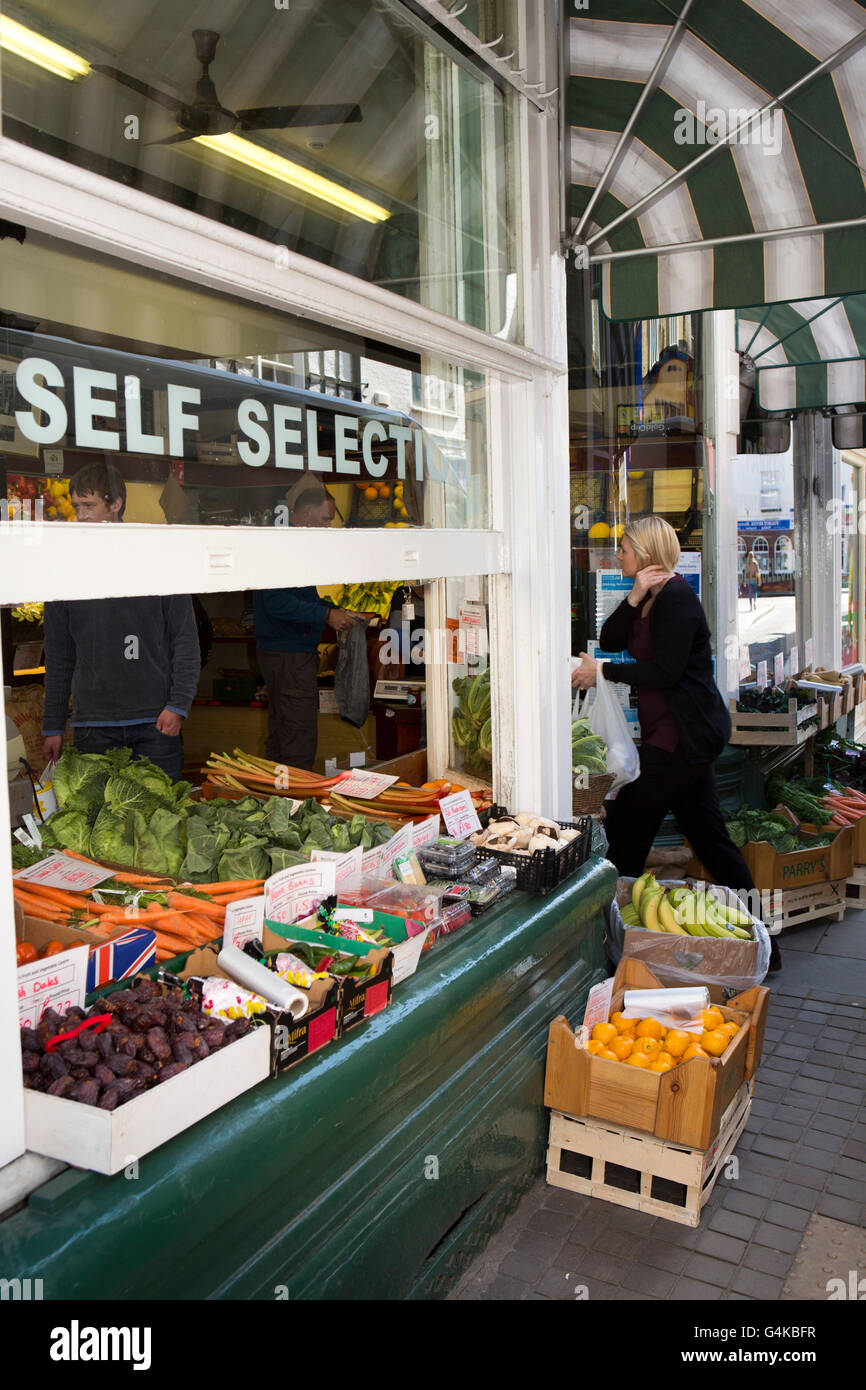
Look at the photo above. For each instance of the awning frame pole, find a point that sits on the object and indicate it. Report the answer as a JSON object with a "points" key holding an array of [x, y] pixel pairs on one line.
{"points": [[680, 175], [800, 326], [650, 87], [772, 234]]}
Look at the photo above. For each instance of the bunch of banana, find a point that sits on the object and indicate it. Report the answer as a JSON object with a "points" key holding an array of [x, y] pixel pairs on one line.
{"points": [[683, 912]]}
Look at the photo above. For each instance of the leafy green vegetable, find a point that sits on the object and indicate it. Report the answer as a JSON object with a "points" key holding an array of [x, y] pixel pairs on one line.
{"points": [[67, 830], [127, 790], [112, 839], [245, 861], [79, 781], [159, 841], [25, 855], [285, 858]]}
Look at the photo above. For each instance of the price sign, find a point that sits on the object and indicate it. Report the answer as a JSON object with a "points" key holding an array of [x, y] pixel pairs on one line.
{"points": [[459, 814], [426, 832], [347, 867], [795, 661], [371, 863], [597, 1008], [763, 678], [294, 893], [244, 921], [58, 982], [363, 784], [808, 654], [72, 875], [745, 669], [779, 669], [401, 843]]}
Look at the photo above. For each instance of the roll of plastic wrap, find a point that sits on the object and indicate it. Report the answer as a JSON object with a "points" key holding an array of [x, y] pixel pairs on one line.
{"points": [[262, 981], [679, 1006]]}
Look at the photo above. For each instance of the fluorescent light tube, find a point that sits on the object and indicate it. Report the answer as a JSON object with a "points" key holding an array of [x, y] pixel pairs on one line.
{"points": [[276, 167], [36, 49]]}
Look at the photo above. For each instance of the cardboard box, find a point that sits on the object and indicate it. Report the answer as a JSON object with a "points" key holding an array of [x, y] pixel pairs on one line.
{"points": [[291, 1039], [678, 961], [107, 1141], [359, 999], [127, 951], [684, 1105], [57, 982], [406, 950]]}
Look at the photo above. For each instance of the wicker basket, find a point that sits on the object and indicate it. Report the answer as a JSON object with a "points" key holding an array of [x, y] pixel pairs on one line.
{"points": [[588, 801]]}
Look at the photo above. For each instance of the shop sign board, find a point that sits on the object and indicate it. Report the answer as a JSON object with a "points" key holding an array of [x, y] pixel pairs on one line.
{"points": [[82, 396]]}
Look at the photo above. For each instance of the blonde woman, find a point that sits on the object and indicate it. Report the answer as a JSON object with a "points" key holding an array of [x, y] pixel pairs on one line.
{"points": [[753, 578], [684, 723]]}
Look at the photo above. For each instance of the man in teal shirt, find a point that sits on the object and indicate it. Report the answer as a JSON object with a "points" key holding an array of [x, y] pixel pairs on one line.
{"points": [[289, 625]]}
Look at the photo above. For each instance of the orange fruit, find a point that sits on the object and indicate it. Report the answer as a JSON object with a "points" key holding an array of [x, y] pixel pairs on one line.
{"points": [[622, 1047], [664, 1062], [621, 1024], [650, 1028], [676, 1041], [604, 1033], [371, 493], [694, 1051], [715, 1042], [729, 1027], [594, 1047], [637, 1059], [711, 1018], [607, 1055], [650, 1047]]}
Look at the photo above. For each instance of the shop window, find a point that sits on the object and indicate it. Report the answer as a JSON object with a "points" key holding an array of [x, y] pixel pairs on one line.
{"points": [[741, 555], [783, 555], [762, 554], [357, 135], [219, 411]]}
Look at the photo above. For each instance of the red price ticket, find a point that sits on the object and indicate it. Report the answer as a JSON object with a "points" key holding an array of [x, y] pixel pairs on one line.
{"points": [[365, 785]]}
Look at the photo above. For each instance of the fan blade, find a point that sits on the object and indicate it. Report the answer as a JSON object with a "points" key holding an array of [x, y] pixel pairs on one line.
{"points": [[170, 103], [287, 117], [171, 139]]}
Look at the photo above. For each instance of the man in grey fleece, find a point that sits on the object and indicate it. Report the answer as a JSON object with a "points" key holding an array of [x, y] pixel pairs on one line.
{"points": [[131, 664]]}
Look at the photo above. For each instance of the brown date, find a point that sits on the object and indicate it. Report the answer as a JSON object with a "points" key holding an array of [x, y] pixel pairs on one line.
{"points": [[85, 1091], [61, 1087], [213, 1037], [172, 1069], [158, 1043], [87, 1041], [236, 1029], [34, 1081], [181, 1052], [105, 1044], [53, 1065], [29, 1062], [80, 1074], [29, 1040], [109, 1098], [103, 1074], [120, 1064]]}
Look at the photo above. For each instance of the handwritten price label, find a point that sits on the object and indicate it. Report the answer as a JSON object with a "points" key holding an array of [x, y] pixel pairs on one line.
{"points": [[763, 678], [779, 669], [365, 785], [460, 815], [293, 893], [70, 874], [808, 654], [244, 921]]}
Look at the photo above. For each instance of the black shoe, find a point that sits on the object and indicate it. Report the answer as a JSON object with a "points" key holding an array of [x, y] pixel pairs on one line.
{"points": [[775, 957]]}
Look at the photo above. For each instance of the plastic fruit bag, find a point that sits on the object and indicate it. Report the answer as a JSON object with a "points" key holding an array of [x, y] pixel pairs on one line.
{"points": [[607, 719]]}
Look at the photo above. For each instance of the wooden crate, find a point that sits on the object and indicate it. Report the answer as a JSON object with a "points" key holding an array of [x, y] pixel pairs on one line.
{"points": [[634, 1170], [856, 886], [684, 1105], [831, 709], [795, 906], [784, 729], [802, 866]]}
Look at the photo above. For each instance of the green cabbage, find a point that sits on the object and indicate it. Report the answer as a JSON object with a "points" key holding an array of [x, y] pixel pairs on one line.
{"points": [[112, 839], [159, 842], [79, 781], [67, 830], [245, 861]]}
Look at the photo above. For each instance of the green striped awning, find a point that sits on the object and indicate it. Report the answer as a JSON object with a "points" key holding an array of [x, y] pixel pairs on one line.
{"points": [[717, 151], [808, 355]]}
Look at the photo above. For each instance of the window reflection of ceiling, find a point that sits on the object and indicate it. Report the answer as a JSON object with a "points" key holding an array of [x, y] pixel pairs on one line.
{"points": [[315, 51]]}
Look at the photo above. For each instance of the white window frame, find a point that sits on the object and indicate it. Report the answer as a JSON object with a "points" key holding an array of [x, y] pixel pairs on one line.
{"points": [[525, 552]]}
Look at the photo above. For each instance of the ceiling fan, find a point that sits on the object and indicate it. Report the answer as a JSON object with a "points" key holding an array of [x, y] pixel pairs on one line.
{"points": [[205, 115]]}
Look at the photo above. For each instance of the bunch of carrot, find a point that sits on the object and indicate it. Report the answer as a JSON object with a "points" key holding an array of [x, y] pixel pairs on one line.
{"points": [[846, 807], [186, 916]]}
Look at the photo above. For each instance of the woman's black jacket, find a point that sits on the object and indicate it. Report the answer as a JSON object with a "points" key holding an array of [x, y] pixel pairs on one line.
{"points": [[681, 667]]}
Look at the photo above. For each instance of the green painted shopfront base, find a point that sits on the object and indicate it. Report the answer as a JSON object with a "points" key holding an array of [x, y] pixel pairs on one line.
{"points": [[376, 1169]]}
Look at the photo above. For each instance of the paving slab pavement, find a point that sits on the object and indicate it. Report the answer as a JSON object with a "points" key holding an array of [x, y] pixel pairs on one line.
{"points": [[765, 1233]]}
